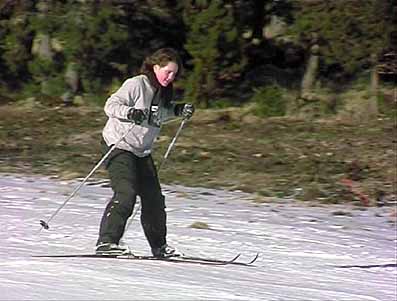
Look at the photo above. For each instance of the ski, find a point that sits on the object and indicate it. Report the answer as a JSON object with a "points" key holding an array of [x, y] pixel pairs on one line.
{"points": [[174, 259], [234, 260]]}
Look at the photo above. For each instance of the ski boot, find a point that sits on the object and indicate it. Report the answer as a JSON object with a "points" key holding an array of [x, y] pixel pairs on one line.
{"points": [[165, 251], [112, 249]]}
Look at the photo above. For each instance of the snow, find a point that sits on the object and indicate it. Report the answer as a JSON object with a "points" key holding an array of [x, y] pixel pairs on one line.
{"points": [[306, 252]]}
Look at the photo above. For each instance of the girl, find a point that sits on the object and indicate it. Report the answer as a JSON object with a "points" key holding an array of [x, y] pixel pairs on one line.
{"points": [[139, 106]]}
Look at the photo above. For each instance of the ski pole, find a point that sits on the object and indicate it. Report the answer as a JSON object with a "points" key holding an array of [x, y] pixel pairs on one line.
{"points": [[161, 164], [44, 224], [172, 144]]}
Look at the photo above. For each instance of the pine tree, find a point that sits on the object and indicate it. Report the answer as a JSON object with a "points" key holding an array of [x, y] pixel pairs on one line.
{"points": [[15, 43], [213, 44]]}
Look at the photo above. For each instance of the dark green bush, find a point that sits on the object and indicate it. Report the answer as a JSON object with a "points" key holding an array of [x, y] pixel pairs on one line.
{"points": [[269, 101]]}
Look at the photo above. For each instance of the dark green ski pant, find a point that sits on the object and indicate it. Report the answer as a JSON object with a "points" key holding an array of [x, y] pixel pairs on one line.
{"points": [[131, 176]]}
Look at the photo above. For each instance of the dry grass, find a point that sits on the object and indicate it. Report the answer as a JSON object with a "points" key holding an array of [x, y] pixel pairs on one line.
{"points": [[228, 149]]}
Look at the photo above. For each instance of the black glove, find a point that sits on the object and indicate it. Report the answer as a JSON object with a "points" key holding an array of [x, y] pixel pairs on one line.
{"points": [[136, 115], [184, 110]]}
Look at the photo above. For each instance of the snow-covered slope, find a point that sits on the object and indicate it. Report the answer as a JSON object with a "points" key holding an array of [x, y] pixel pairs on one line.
{"points": [[306, 253]]}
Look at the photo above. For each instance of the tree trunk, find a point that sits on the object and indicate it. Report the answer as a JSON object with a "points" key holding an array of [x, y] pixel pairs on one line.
{"points": [[42, 43], [309, 78], [44, 50], [373, 104], [72, 82]]}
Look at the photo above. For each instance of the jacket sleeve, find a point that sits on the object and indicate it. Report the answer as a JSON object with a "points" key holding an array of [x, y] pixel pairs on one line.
{"points": [[119, 104]]}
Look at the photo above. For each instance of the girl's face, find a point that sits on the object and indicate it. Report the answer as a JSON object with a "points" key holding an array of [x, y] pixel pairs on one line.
{"points": [[166, 75]]}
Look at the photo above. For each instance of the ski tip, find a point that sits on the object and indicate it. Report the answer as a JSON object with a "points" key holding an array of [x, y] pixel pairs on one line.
{"points": [[254, 259], [235, 257]]}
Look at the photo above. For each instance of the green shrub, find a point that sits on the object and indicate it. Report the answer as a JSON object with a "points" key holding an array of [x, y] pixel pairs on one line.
{"points": [[386, 108], [269, 101], [222, 104]]}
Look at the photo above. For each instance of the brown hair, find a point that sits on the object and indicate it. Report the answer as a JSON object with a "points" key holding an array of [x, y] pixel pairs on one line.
{"points": [[161, 57]]}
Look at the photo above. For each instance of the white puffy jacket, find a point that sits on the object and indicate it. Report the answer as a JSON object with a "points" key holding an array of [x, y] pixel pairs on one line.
{"points": [[138, 93]]}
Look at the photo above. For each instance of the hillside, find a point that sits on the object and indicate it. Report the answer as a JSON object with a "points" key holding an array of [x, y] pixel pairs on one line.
{"points": [[323, 160]]}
